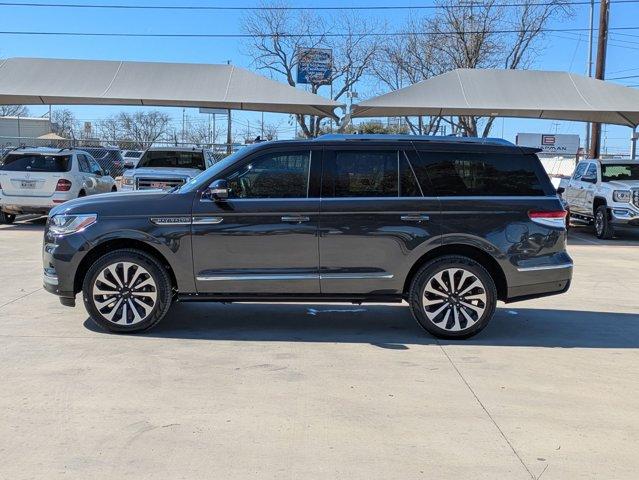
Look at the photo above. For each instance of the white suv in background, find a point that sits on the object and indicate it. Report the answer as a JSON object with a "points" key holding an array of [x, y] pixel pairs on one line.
{"points": [[34, 180]]}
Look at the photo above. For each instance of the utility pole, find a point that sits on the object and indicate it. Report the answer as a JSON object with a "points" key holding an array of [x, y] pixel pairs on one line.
{"points": [[600, 71], [590, 34]]}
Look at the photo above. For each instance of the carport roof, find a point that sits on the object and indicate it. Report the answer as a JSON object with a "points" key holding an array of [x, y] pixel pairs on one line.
{"points": [[35, 81], [510, 93]]}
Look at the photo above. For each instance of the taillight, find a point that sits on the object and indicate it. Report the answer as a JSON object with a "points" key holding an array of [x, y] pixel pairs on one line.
{"points": [[63, 185], [552, 218]]}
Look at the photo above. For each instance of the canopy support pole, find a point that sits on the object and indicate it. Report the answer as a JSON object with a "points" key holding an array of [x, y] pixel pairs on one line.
{"points": [[633, 143]]}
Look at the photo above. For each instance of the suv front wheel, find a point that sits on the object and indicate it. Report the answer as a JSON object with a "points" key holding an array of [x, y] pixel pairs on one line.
{"points": [[453, 297], [127, 291]]}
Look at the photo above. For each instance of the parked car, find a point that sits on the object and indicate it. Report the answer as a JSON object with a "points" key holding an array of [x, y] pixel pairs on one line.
{"points": [[604, 193], [110, 158], [449, 225], [34, 180], [166, 168], [131, 157]]}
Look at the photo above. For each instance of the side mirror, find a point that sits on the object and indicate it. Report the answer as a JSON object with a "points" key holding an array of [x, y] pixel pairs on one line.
{"points": [[560, 190], [218, 191], [589, 179]]}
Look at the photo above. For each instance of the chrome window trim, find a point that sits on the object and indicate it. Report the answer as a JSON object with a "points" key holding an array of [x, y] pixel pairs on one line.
{"points": [[545, 267]]}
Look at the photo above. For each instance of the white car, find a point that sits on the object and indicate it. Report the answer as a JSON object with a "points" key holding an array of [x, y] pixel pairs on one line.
{"points": [[34, 180], [605, 193], [166, 167]]}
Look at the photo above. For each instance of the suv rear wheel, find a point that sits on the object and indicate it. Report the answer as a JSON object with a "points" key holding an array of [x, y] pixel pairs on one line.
{"points": [[453, 297], [127, 291]]}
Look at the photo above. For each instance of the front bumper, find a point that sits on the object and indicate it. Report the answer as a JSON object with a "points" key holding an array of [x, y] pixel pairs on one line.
{"points": [[624, 217], [61, 257]]}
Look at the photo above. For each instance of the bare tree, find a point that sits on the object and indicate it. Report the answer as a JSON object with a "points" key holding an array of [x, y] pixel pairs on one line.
{"points": [[135, 130], [13, 111], [279, 35], [64, 123], [201, 133], [466, 35]]}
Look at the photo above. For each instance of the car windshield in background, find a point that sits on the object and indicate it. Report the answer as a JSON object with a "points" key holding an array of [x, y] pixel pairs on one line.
{"points": [[175, 159], [612, 172], [36, 163]]}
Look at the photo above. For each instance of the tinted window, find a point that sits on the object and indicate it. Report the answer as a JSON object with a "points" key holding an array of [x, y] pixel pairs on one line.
{"points": [[36, 163], [408, 186], [612, 172], [176, 159], [365, 174], [591, 171], [479, 174], [84, 164], [274, 175], [579, 171]]}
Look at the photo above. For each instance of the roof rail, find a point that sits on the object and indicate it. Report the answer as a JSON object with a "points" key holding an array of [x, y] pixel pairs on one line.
{"points": [[416, 138]]}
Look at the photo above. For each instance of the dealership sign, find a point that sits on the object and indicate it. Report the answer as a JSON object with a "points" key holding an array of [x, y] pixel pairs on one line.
{"points": [[314, 66], [558, 144]]}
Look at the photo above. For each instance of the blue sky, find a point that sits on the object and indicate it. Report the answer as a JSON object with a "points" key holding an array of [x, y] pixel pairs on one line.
{"points": [[561, 51]]}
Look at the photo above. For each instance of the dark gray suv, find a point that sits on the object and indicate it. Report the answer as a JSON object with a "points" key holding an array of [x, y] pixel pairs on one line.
{"points": [[448, 225]]}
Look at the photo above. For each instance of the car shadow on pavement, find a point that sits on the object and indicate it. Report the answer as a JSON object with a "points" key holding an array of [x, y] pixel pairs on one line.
{"points": [[26, 224], [390, 326]]}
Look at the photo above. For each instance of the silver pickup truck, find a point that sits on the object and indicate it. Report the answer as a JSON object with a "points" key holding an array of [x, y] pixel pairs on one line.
{"points": [[166, 167], [604, 193]]}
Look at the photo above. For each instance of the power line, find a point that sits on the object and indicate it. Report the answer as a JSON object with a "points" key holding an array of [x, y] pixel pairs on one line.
{"points": [[292, 35], [253, 8]]}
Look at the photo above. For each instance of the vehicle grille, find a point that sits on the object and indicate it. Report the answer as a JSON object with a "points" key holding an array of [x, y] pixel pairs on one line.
{"points": [[150, 183], [635, 197]]}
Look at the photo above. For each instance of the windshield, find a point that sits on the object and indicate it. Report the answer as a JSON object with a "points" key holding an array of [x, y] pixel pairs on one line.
{"points": [[218, 167], [174, 159], [611, 172], [36, 163]]}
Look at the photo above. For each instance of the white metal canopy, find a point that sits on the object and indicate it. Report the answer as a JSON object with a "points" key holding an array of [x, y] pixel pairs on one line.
{"points": [[510, 93], [35, 81]]}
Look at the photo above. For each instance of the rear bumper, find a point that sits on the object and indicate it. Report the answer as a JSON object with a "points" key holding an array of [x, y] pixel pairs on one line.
{"points": [[25, 204], [541, 281]]}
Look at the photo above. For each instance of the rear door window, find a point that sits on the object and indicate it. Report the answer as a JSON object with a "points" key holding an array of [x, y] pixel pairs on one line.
{"points": [[36, 163], [363, 173], [83, 163], [481, 174]]}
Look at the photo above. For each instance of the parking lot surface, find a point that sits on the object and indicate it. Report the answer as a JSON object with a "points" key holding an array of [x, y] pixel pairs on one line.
{"points": [[549, 389]]}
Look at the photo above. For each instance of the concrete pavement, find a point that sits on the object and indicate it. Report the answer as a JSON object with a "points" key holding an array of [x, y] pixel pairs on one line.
{"points": [[548, 389]]}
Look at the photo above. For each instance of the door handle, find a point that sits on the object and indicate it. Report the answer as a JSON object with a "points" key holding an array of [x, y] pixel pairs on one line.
{"points": [[295, 219], [415, 218]]}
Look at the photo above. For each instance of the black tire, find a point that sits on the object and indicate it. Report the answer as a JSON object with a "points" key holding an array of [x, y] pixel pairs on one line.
{"points": [[7, 218], [114, 188], [454, 303], [152, 269], [603, 229], [82, 193]]}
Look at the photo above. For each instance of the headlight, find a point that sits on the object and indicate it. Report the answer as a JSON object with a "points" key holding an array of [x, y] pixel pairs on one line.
{"points": [[622, 196], [67, 224], [128, 181]]}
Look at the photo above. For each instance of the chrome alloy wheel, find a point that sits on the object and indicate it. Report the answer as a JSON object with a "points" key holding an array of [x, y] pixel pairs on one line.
{"points": [[454, 299], [124, 293]]}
